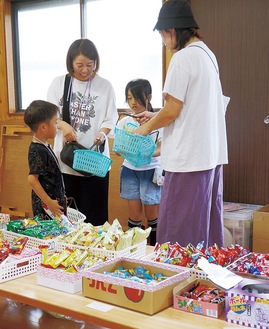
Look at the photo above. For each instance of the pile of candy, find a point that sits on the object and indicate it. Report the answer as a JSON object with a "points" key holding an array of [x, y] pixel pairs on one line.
{"points": [[204, 293], [4, 218], [15, 247], [253, 263], [188, 256], [109, 237], [138, 274], [35, 227], [69, 260]]}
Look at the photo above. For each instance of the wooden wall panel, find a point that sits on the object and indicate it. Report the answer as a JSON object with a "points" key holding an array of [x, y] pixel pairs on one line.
{"points": [[117, 206], [237, 32], [15, 194]]}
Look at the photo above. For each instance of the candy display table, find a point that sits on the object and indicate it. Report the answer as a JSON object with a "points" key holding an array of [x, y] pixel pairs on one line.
{"points": [[25, 290]]}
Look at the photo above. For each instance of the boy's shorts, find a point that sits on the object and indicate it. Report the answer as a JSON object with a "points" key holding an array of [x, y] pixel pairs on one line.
{"points": [[138, 185]]}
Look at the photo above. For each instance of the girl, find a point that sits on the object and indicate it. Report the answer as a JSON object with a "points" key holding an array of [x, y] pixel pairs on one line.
{"points": [[136, 184]]}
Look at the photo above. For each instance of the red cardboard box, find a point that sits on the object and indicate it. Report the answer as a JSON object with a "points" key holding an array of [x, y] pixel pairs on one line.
{"points": [[196, 306], [140, 297]]}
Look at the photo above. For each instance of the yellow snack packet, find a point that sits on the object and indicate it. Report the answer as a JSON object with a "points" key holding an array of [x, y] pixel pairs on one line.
{"points": [[44, 252], [55, 262], [71, 258], [71, 269], [81, 258], [50, 259]]}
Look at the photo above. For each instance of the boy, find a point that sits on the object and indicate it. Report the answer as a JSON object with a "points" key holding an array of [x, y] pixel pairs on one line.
{"points": [[45, 177]]}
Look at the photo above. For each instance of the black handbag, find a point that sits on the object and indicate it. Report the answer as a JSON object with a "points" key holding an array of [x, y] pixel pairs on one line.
{"points": [[67, 155]]}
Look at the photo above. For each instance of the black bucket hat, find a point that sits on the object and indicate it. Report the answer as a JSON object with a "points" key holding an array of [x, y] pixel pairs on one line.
{"points": [[175, 14]]}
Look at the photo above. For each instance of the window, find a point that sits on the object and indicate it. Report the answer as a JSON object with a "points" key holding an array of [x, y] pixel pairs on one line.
{"points": [[122, 30]]}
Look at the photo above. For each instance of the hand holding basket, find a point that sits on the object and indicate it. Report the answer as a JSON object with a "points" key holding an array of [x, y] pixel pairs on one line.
{"points": [[93, 162], [137, 149]]}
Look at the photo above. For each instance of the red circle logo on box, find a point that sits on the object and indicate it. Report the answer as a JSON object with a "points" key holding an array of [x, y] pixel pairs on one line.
{"points": [[135, 295]]}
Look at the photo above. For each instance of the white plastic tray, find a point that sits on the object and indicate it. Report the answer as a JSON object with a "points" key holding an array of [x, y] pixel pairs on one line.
{"points": [[17, 268], [136, 251]]}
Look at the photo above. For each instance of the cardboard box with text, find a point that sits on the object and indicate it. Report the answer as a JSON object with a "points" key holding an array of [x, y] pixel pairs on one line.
{"points": [[196, 306], [140, 297]]}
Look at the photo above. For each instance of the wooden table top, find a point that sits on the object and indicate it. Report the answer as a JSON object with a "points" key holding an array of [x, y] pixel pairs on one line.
{"points": [[26, 290]]}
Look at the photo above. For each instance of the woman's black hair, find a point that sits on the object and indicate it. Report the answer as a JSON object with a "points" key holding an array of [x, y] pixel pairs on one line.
{"points": [[141, 91], [184, 35], [83, 47]]}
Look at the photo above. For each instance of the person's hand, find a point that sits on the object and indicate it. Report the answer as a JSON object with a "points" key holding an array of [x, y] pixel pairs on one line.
{"points": [[144, 117], [55, 208], [68, 131], [99, 138], [141, 130]]}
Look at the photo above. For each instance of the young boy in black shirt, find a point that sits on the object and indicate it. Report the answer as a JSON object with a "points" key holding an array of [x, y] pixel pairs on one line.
{"points": [[45, 177]]}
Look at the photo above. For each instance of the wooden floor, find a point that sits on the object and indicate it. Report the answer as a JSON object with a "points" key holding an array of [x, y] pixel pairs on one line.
{"points": [[19, 316]]}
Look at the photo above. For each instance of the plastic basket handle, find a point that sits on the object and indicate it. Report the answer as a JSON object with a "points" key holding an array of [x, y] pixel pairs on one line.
{"points": [[157, 135], [133, 116], [71, 200], [98, 148], [125, 113]]}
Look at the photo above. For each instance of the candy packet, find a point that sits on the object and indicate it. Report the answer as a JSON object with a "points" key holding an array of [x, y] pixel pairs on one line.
{"points": [[140, 234], [17, 245], [125, 240]]}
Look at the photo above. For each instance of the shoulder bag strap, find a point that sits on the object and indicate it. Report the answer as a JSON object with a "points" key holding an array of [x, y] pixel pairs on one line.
{"points": [[207, 54], [66, 99]]}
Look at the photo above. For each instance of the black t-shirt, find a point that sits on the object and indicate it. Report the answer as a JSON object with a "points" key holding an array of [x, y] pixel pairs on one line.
{"points": [[42, 162]]}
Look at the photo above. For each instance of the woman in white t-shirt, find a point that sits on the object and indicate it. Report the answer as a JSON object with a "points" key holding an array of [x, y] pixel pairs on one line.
{"points": [[87, 114], [194, 146]]}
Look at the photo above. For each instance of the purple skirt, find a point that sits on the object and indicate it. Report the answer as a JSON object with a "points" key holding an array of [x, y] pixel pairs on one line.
{"points": [[191, 208]]}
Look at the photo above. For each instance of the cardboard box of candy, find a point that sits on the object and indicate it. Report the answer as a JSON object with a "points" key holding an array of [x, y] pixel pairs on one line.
{"points": [[137, 294], [200, 297], [247, 304]]}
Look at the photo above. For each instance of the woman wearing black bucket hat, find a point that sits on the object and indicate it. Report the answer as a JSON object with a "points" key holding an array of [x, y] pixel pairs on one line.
{"points": [[194, 146]]}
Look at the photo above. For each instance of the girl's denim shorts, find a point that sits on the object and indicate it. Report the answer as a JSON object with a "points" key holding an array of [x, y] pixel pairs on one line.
{"points": [[138, 185]]}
